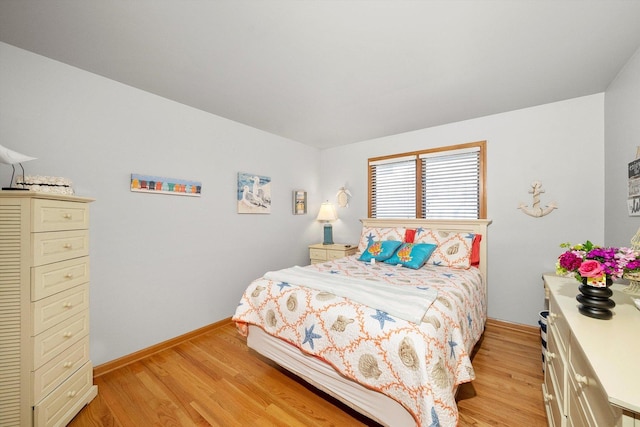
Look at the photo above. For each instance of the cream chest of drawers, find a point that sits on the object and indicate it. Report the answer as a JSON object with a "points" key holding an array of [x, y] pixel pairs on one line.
{"points": [[320, 253], [46, 376], [591, 374]]}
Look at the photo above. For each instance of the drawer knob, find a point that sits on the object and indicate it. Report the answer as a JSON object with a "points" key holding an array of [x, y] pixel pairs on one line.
{"points": [[67, 305], [72, 393], [551, 356], [548, 397], [67, 335], [68, 276], [67, 246], [581, 380], [551, 317], [67, 364], [67, 216]]}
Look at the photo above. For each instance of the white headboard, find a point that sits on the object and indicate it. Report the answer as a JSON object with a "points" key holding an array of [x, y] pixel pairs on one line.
{"points": [[475, 226]]}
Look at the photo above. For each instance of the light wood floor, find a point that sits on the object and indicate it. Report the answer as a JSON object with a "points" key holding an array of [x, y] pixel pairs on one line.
{"points": [[215, 380]]}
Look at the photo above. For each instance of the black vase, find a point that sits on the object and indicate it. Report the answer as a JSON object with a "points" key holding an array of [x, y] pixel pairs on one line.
{"points": [[596, 302]]}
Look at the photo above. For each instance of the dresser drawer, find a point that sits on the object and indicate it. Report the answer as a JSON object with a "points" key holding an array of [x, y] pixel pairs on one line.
{"points": [[318, 254], [335, 254], [556, 361], [54, 409], [590, 394], [560, 327], [58, 338], [52, 310], [52, 374], [552, 403], [59, 246], [52, 278], [576, 415], [58, 215]]}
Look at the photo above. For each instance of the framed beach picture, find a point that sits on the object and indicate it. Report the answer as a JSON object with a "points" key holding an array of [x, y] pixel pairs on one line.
{"points": [[299, 202], [253, 193]]}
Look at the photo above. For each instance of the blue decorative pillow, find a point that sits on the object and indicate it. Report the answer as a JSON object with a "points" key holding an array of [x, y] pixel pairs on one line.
{"points": [[380, 250], [412, 255]]}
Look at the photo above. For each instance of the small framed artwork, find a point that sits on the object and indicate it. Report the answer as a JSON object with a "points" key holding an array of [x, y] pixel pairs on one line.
{"points": [[163, 185], [253, 193], [633, 200], [299, 202]]}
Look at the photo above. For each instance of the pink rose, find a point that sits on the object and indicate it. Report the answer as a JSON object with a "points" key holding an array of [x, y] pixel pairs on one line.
{"points": [[590, 268]]}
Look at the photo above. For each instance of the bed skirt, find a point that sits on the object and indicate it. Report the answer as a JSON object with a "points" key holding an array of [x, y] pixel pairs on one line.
{"points": [[370, 403]]}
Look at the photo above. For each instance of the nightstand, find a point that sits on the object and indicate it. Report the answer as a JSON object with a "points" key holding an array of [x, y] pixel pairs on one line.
{"points": [[320, 253]]}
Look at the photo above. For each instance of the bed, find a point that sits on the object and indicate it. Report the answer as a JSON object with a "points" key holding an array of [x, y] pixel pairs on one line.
{"points": [[390, 340]]}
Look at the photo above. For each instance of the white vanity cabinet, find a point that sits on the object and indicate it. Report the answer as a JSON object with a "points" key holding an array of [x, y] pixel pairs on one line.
{"points": [[591, 377]]}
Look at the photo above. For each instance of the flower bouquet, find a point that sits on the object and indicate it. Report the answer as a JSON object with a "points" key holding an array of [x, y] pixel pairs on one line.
{"points": [[596, 265]]}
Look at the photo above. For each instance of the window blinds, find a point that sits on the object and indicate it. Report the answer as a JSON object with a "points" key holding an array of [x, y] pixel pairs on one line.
{"points": [[393, 188], [451, 184]]}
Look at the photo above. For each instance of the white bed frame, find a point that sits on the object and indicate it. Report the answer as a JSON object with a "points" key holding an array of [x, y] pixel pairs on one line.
{"points": [[370, 403]]}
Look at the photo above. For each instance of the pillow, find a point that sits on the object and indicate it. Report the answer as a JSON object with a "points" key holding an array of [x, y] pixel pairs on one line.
{"points": [[380, 250], [409, 235], [475, 250], [454, 249], [372, 234], [412, 255]]}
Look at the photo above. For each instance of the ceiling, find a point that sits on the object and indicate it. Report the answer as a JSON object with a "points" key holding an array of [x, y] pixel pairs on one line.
{"points": [[327, 73]]}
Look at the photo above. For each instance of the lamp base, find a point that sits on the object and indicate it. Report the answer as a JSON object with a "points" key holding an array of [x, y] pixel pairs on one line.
{"points": [[328, 234]]}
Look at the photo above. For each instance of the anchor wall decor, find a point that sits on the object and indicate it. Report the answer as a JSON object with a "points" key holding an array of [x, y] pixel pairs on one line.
{"points": [[535, 210]]}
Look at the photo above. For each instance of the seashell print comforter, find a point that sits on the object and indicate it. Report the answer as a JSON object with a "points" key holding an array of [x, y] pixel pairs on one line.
{"points": [[418, 365]]}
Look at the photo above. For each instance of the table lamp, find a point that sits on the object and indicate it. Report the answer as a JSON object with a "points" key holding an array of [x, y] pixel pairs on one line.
{"points": [[327, 214], [10, 157]]}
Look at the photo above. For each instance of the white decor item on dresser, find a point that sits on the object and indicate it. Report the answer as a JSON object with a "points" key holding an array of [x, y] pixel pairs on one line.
{"points": [[45, 184], [634, 278], [44, 301], [590, 377], [13, 158]]}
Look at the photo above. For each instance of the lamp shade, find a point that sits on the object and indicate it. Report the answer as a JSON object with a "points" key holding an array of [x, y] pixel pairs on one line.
{"points": [[327, 212]]}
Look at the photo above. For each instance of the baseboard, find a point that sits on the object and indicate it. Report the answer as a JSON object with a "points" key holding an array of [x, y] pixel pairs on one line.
{"points": [[501, 324], [145, 352]]}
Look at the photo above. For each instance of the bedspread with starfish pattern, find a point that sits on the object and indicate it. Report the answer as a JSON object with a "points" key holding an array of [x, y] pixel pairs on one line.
{"points": [[418, 365]]}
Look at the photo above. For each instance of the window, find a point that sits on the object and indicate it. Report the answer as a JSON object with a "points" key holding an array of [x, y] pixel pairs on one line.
{"points": [[442, 183]]}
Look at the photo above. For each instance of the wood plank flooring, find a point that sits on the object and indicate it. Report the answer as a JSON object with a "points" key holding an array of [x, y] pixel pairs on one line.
{"points": [[214, 380]]}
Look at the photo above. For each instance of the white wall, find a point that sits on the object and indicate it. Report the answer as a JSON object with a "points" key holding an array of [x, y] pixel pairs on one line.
{"points": [[559, 144], [165, 265], [161, 265], [622, 139]]}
